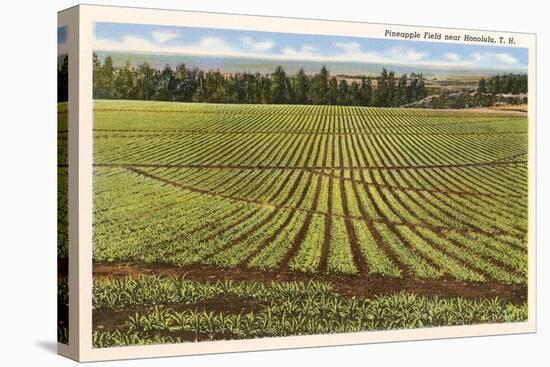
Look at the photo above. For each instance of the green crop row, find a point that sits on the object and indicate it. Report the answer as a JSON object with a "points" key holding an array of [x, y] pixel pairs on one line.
{"points": [[184, 227], [287, 309], [119, 293], [291, 186]]}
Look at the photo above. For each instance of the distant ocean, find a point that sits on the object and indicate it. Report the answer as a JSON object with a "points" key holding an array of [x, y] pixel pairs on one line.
{"points": [[239, 64]]}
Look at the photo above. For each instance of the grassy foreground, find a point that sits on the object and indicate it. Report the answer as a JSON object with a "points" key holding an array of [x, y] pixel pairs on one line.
{"points": [[151, 309]]}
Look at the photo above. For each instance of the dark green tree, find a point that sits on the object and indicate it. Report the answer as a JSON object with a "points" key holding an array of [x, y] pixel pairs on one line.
{"points": [[186, 83], [354, 94], [333, 91], [380, 94], [301, 88], [402, 90], [508, 83], [125, 83], [199, 95], [266, 89], [366, 92], [166, 87], [482, 86], [97, 68], [234, 91], [319, 87], [343, 93], [103, 76], [280, 86], [391, 96], [63, 79], [147, 82], [495, 85], [421, 91]]}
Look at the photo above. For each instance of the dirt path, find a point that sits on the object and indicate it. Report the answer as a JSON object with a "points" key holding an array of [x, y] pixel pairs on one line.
{"points": [[349, 285]]}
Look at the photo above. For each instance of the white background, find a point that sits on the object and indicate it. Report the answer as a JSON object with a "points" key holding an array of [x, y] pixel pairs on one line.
{"points": [[28, 182]]}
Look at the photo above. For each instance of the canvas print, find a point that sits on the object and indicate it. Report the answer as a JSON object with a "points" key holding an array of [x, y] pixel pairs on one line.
{"points": [[62, 186], [252, 184]]}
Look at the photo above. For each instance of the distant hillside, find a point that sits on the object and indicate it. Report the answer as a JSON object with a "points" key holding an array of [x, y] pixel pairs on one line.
{"points": [[469, 100], [232, 65]]}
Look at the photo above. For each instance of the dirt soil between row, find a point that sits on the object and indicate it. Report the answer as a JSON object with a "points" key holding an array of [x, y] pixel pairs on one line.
{"points": [[364, 286]]}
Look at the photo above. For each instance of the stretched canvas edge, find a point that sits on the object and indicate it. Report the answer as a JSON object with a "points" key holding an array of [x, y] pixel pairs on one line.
{"points": [[80, 242]]}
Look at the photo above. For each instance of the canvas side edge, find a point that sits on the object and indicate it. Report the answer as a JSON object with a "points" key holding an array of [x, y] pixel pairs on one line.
{"points": [[69, 18]]}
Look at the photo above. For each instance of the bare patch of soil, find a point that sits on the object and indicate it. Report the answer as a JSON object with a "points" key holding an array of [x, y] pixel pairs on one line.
{"points": [[511, 108]]}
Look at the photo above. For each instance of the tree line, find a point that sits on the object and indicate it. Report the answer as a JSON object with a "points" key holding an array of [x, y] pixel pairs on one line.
{"points": [[63, 79], [503, 84], [185, 84]]}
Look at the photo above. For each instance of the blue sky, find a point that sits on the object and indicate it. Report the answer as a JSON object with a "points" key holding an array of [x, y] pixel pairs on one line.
{"points": [[62, 41], [285, 46], [61, 35]]}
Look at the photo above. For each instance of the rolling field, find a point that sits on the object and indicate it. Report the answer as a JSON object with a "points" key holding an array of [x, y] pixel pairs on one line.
{"points": [[315, 189], [369, 202]]}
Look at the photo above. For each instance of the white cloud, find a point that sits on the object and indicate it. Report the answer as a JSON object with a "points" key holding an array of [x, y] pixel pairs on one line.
{"points": [[352, 51], [506, 58], [257, 45], [212, 45], [491, 59], [304, 52], [477, 57], [163, 36], [128, 43], [407, 54], [349, 48], [205, 46], [451, 56]]}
